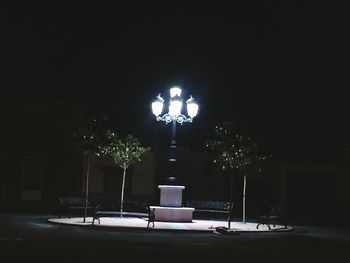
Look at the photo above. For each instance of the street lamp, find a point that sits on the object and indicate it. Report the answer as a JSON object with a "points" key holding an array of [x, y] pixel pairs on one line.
{"points": [[174, 116]]}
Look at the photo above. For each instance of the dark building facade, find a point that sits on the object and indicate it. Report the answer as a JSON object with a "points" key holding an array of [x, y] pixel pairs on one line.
{"points": [[38, 161]]}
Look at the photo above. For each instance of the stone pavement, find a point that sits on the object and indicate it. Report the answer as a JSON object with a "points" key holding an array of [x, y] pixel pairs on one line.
{"points": [[195, 225]]}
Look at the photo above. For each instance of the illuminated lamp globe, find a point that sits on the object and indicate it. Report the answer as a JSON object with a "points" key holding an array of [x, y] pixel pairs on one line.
{"points": [[157, 106], [175, 106], [192, 107], [175, 91]]}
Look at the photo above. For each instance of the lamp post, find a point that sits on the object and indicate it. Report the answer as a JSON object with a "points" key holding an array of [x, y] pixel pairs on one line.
{"points": [[174, 116]]}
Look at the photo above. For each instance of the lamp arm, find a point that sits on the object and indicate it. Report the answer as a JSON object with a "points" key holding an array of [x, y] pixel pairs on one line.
{"points": [[179, 118]]}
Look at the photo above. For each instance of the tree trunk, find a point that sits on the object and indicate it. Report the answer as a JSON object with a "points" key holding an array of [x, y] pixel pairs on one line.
{"points": [[244, 190], [122, 194], [231, 189], [87, 185]]}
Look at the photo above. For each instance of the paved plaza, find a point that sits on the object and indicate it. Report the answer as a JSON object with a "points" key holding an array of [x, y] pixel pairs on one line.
{"points": [[195, 225]]}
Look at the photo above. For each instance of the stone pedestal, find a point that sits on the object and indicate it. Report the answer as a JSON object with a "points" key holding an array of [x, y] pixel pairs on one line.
{"points": [[171, 195], [170, 209]]}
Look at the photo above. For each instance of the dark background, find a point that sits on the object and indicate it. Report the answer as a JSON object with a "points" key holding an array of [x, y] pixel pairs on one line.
{"points": [[275, 68]]}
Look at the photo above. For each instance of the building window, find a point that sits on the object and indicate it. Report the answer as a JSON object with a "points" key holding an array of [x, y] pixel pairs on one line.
{"points": [[2, 180], [32, 178]]}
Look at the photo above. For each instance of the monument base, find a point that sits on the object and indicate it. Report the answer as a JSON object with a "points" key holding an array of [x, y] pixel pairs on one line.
{"points": [[173, 214]]}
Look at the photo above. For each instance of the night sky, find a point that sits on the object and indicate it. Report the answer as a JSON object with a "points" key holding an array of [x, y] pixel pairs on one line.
{"points": [[276, 69]]}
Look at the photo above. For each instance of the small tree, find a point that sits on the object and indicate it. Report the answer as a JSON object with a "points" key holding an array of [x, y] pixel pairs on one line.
{"points": [[236, 153], [125, 152], [88, 140]]}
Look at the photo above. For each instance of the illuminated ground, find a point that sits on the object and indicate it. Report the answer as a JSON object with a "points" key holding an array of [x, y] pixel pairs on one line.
{"points": [[195, 225]]}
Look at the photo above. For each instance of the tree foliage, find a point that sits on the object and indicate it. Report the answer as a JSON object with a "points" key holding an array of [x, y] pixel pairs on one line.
{"points": [[124, 150], [236, 152], [89, 134]]}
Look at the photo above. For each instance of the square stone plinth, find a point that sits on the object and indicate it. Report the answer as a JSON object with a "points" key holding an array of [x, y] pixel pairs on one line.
{"points": [[173, 214], [171, 195]]}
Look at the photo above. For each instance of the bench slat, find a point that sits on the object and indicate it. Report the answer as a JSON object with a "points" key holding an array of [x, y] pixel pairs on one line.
{"points": [[206, 210], [210, 205]]}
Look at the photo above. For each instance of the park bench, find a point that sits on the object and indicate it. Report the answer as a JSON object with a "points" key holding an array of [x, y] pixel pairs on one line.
{"points": [[151, 216], [70, 205], [272, 215], [130, 208], [212, 207]]}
